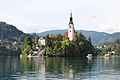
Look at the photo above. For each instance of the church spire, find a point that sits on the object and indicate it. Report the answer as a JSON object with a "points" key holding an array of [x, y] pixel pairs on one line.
{"points": [[71, 19], [71, 14]]}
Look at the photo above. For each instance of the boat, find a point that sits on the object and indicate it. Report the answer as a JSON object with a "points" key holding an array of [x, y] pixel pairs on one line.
{"points": [[89, 56]]}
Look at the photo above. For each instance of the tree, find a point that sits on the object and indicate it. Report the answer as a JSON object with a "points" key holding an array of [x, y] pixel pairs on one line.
{"points": [[89, 39], [48, 42], [58, 37], [27, 47], [78, 47], [36, 40]]}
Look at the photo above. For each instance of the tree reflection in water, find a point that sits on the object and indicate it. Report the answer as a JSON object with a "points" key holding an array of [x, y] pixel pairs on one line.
{"points": [[69, 68], [44, 68], [55, 68]]}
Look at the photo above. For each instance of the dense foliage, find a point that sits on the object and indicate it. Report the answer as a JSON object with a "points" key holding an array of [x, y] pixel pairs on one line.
{"points": [[113, 48], [29, 45], [98, 38], [57, 46], [11, 39], [10, 32]]}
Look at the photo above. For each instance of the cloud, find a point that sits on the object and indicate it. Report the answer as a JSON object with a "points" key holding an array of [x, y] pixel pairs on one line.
{"points": [[18, 22], [85, 23], [21, 24], [86, 19], [27, 26], [42, 15]]}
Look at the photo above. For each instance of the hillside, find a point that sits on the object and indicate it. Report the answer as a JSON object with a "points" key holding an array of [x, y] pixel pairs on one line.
{"points": [[10, 32], [98, 38], [109, 39], [11, 39]]}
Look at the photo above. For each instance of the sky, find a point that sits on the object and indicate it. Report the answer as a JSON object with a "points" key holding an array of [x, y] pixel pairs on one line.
{"points": [[34, 16]]}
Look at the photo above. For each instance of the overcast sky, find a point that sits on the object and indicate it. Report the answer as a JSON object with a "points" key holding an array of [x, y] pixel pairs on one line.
{"points": [[42, 15]]}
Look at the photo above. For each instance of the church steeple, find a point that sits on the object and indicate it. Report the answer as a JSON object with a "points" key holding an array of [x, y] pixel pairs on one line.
{"points": [[71, 19], [71, 34]]}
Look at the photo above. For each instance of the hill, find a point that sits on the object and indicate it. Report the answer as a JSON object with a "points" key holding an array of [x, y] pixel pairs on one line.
{"points": [[98, 38], [10, 32], [111, 38], [11, 39]]}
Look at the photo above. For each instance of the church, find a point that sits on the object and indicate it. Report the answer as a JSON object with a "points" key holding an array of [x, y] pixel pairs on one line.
{"points": [[70, 34]]}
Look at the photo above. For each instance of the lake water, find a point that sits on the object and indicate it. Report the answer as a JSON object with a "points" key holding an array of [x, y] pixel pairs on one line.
{"points": [[99, 68]]}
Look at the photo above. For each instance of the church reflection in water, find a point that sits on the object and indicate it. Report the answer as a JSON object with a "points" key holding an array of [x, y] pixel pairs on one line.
{"points": [[55, 68]]}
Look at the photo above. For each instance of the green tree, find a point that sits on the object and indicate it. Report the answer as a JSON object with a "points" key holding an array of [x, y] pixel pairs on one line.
{"points": [[58, 37], [36, 40], [89, 39], [78, 47], [27, 47]]}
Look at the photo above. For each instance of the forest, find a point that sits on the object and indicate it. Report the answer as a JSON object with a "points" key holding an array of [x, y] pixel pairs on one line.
{"points": [[58, 45], [11, 40]]}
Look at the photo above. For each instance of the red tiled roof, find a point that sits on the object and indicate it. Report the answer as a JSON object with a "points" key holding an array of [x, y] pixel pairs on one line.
{"points": [[66, 34], [75, 33]]}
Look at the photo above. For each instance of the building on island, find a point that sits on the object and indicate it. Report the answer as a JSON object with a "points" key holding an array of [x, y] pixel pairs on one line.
{"points": [[42, 41], [71, 34]]}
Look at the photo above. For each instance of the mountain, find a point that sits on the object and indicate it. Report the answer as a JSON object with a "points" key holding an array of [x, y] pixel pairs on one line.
{"points": [[11, 39], [52, 32], [98, 38], [111, 38], [10, 32]]}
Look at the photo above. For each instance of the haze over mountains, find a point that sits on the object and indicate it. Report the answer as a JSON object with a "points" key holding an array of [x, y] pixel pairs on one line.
{"points": [[11, 33], [98, 38]]}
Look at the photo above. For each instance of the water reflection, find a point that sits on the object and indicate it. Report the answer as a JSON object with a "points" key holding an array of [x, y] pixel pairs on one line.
{"points": [[34, 68], [68, 68], [54, 68], [9, 66]]}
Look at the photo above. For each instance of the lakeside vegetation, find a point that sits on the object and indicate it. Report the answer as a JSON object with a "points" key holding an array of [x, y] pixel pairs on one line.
{"points": [[13, 42], [29, 45], [112, 49], [78, 47], [58, 45]]}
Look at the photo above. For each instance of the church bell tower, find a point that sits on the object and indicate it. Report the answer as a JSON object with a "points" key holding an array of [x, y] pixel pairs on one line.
{"points": [[71, 30]]}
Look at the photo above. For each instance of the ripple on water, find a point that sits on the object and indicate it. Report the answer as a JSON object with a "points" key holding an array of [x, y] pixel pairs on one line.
{"points": [[96, 69]]}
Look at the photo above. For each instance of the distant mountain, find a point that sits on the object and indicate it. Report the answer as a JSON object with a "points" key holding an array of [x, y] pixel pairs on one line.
{"points": [[9, 33], [52, 32], [111, 38], [98, 38]]}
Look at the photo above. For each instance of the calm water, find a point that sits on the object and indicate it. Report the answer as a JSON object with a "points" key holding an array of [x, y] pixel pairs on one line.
{"points": [[13, 68]]}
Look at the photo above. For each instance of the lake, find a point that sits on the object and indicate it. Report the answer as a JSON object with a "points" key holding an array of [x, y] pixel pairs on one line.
{"points": [[59, 68]]}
